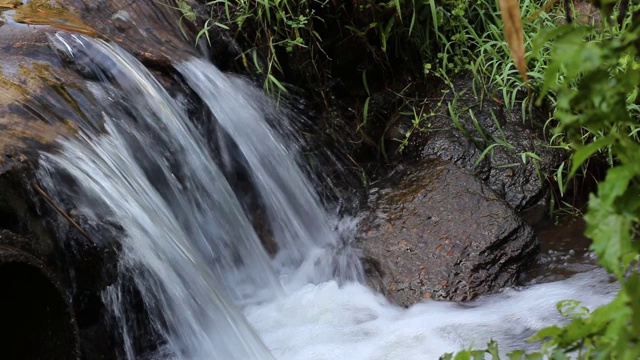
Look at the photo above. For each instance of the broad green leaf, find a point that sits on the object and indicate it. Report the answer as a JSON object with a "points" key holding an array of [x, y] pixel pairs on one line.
{"points": [[585, 152]]}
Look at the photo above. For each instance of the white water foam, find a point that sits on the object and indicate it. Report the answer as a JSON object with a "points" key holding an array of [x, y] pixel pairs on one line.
{"points": [[328, 322]]}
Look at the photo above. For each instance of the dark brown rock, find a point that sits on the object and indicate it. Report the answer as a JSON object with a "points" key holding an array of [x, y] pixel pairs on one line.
{"points": [[441, 233], [37, 320], [44, 95]]}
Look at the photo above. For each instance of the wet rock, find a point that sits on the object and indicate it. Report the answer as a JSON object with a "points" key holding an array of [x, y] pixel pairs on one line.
{"points": [[581, 12], [81, 270], [37, 320], [46, 94], [440, 233], [42, 100], [452, 145], [518, 158], [147, 29]]}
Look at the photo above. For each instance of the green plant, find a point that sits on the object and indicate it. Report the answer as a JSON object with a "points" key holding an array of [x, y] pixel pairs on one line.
{"points": [[186, 13], [365, 109], [419, 122], [270, 27], [281, 42], [479, 46], [592, 72]]}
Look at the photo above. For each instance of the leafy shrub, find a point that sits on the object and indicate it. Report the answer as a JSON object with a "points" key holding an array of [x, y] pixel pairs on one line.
{"points": [[594, 75]]}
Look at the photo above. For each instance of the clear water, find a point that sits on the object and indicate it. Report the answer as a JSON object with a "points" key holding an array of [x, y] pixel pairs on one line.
{"points": [[212, 290]]}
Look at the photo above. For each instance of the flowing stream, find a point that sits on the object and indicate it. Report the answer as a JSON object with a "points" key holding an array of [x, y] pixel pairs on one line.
{"points": [[211, 289]]}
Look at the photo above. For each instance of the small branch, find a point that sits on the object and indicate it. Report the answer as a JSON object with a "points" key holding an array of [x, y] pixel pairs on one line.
{"points": [[50, 201]]}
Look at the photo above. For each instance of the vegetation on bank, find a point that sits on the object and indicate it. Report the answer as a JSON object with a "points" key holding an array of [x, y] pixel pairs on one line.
{"points": [[371, 63], [594, 75], [585, 64]]}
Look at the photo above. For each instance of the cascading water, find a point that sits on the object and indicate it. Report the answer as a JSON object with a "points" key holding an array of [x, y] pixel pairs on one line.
{"points": [[300, 224], [210, 288], [153, 174]]}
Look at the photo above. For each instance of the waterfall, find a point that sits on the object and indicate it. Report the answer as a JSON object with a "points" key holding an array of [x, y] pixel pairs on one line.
{"points": [[300, 224], [152, 172]]}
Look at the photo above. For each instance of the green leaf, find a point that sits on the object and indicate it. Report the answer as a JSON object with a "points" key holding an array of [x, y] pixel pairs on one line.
{"points": [[365, 83], [434, 16], [276, 82], [398, 8], [413, 16], [221, 25], [551, 331], [572, 309], [516, 355], [609, 228], [585, 152], [559, 175], [365, 112], [492, 349], [484, 153]]}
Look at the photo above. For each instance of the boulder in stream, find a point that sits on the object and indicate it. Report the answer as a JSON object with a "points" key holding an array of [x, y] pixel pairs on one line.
{"points": [[441, 233]]}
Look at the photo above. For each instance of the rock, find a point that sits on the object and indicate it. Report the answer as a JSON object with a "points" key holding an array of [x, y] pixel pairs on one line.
{"points": [[580, 12], [37, 319], [441, 233], [28, 81], [484, 123], [44, 97], [29, 249], [147, 29]]}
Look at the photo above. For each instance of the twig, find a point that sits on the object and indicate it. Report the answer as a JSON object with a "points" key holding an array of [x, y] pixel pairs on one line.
{"points": [[50, 201]]}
